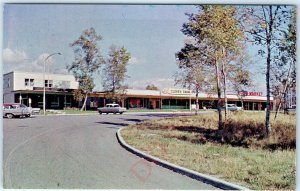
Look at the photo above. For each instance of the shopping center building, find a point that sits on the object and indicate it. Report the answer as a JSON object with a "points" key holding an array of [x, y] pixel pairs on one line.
{"points": [[28, 88], [178, 99]]}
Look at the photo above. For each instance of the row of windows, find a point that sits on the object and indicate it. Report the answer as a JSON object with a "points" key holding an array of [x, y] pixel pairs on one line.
{"points": [[47, 83], [28, 82]]}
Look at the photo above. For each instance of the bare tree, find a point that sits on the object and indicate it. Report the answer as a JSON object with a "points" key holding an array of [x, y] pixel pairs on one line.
{"points": [[266, 27], [114, 73], [215, 28]]}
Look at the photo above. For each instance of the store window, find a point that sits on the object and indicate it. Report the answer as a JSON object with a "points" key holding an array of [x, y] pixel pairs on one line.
{"points": [[26, 82], [48, 83], [29, 82]]}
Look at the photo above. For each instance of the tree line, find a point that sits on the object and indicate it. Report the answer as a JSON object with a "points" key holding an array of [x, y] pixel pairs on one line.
{"points": [[215, 53]]}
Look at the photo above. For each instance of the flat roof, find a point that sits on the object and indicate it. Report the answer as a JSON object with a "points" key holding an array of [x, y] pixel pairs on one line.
{"points": [[40, 73]]}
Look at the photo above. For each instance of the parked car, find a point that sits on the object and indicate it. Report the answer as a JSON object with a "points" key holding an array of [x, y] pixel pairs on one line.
{"points": [[232, 107], [11, 110], [111, 108], [291, 109], [35, 111]]}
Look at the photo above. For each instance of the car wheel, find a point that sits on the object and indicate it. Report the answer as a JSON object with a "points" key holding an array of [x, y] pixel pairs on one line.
{"points": [[100, 112], [106, 113], [28, 115], [121, 113], [9, 115]]}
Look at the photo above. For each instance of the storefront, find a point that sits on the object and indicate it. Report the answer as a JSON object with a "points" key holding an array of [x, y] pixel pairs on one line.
{"points": [[177, 99], [53, 99]]}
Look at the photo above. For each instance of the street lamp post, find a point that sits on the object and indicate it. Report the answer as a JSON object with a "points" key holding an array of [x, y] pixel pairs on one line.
{"points": [[44, 93]]}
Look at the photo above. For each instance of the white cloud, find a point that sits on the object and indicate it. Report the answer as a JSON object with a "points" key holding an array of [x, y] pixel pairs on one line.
{"points": [[18, 60], [161, 83], [133, 61], [38, 64], [13, 56]]}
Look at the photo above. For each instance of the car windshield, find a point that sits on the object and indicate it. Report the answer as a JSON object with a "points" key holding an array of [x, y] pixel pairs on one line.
{"points": [[14, 106]]}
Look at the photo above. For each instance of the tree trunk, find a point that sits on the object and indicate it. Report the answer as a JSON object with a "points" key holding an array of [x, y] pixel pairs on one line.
{"points": [[84, 103], [219, 96], [267, 123], [278, 108], [269, 33], [224, 84], [284, 91], [242, 102], [197, 101]]}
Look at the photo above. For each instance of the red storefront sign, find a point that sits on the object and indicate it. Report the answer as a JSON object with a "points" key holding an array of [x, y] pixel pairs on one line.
{"points": [[245, 93]]}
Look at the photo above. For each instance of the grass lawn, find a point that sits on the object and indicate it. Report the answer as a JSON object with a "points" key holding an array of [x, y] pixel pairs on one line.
{"points": [[185, 141]]}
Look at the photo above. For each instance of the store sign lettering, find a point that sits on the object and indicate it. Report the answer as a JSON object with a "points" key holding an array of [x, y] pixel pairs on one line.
{"points": [[176, 91], [245, 93]]}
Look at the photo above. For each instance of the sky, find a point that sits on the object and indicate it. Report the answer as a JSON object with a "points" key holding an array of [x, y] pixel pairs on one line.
{"points": [[151, 33]]}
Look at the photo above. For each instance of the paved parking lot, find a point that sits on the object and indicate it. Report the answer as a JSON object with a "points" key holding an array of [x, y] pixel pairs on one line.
{"points": [[80, 152]]}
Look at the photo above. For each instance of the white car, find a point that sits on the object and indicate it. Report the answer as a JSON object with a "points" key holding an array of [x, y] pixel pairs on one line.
{"points": [[233, 107], [11, 110], [111, 108], [291, 109]]}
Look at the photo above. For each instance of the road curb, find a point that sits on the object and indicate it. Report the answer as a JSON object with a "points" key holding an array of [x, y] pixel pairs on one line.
{"points": [[193, 174]]}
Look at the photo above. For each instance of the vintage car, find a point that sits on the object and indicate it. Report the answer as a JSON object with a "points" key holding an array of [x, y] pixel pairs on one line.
{"points": [[232, 107], [290, 110], [111, 108], [35, 111], [11, 110]]}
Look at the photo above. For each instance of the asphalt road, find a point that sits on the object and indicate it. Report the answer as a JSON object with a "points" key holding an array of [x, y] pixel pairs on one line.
{"points": [[80, 152]]}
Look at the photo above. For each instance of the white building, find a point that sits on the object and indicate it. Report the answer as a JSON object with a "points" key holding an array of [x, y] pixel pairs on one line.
{"points": [[28, 87]]}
